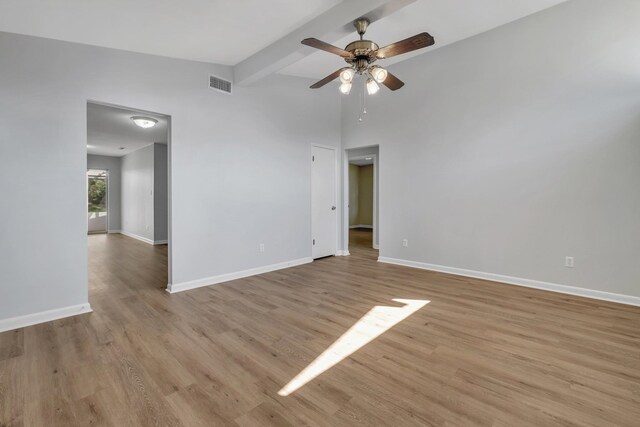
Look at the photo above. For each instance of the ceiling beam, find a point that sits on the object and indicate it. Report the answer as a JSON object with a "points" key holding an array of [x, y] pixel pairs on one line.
{"points": [[330, 26]]}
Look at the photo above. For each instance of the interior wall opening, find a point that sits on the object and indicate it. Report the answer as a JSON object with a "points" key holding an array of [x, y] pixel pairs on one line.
{"points": [[128, 164], [361, 189]]}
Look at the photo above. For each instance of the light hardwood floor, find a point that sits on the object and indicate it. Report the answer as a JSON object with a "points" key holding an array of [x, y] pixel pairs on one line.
{"points": [[479, 354]]}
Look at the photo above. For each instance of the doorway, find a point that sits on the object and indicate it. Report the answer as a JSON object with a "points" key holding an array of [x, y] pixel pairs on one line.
{"points": [[128, 191], [324, 213], [361, 219], [97, 201]]}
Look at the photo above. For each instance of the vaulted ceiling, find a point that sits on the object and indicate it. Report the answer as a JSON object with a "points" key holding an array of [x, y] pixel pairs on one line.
{"points": [[258, 37], [218, 31]]}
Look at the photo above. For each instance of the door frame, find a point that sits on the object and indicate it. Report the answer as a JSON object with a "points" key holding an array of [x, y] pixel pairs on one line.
{"points": [[336, 194], [106, 203], [375, 197], [169, 118], [345, 194]]}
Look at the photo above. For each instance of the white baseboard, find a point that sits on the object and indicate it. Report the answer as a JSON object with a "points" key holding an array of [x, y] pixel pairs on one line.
{"points": [[376, 246], [214, 280], [135, 236], [362, 226], [547, 286], [114, 231], [343, 253], [143, 239], [43, 316]]}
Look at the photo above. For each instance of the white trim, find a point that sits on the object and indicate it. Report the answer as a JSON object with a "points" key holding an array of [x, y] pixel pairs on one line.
{"points": [[376, 246], [528, 283], [370, 227], [169, 199], [143, 239], [375, 200], [342, 253], [135, 236], [43, 316], [214, 280], [114, 231]]}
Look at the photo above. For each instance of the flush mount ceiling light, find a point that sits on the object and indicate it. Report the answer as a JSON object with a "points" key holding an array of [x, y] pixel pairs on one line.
{"points": [[360, 54], [144, 122]]}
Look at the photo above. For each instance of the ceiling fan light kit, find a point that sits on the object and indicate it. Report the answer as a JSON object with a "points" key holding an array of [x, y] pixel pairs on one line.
{"points": [[360, 54], [345, 88], [372, 87], [346, 75], [379, 74]]}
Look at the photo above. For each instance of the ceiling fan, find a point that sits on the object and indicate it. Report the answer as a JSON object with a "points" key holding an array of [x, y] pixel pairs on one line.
{"points": [[360, 54]]}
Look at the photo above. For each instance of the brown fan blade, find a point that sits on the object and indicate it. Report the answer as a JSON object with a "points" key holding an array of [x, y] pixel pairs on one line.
{"points": [[319, 44], [392, 82], [416, 42], [327, 79]]}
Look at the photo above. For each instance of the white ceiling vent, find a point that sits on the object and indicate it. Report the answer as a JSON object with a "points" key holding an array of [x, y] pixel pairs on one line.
{"points": [[219, 84]]}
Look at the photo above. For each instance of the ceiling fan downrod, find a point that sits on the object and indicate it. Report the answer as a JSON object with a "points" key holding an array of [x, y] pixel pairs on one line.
{"points": [[361, 25]]}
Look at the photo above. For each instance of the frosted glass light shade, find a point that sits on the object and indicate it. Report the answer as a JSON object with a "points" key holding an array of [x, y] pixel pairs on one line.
{"points": [[347, 75], [379, 74], [144, 122], [345, 88], [372, 87]]}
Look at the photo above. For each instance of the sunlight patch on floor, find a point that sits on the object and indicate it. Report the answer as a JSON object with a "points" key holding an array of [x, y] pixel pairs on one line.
{"points": [[370, 326]]}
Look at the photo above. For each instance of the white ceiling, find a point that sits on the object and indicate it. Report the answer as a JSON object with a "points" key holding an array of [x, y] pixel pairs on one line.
{"points": [[109, 128], [218, 31], [230, 32], [448, 21]]}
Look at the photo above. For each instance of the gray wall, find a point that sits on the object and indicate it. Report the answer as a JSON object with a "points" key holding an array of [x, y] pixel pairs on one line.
{"points": [[240, 164], [508, 151], [160, 193], [360, 195], [112, 164], [354, 186], [137, 193], [365, 195]]}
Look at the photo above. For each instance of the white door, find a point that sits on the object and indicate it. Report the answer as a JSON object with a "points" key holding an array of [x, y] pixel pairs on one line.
{"points": [[324, 215]]}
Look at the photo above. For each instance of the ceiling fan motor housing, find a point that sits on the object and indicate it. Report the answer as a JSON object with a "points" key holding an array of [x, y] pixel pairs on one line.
{"points": [[363, 53]]}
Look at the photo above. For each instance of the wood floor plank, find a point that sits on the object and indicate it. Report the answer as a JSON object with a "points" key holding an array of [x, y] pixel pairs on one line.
{"points": [[480, 353]]}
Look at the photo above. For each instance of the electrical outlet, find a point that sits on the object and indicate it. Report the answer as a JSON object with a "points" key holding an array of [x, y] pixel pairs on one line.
{"points": [[405, 243], [261, 247], [568, 262]]}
